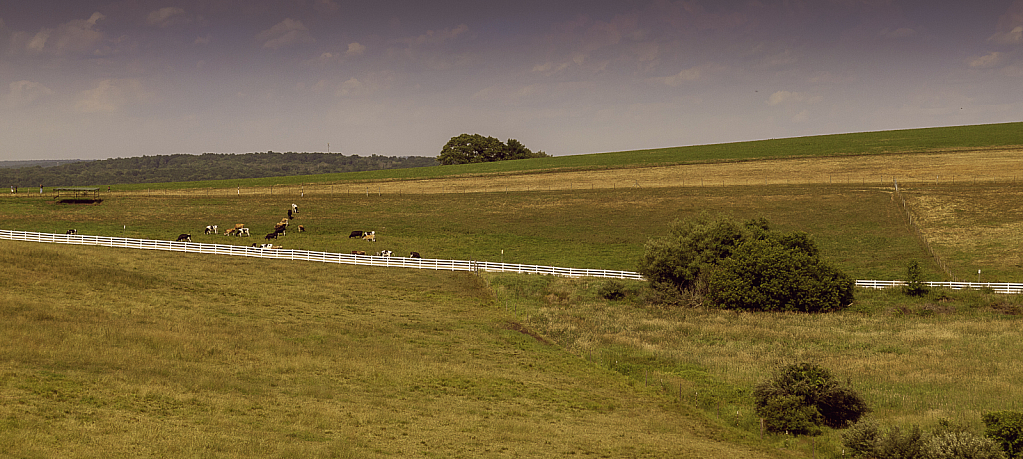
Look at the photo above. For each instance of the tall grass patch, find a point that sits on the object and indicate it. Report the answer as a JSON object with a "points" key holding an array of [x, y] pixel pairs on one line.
{"points": [[914, 360], [245, 357]]}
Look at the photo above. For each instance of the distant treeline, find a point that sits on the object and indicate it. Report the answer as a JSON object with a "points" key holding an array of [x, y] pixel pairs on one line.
{"points": [[207, 166]]}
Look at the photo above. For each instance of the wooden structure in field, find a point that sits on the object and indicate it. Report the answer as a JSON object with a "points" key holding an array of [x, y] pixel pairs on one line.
{"points": [[77, 195]]}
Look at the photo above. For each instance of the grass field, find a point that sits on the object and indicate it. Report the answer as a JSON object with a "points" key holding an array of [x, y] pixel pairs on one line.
{"points": [[118, 353]]}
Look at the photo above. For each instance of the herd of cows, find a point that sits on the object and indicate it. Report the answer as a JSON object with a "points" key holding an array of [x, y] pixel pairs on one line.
{"points": [[280, 228]]}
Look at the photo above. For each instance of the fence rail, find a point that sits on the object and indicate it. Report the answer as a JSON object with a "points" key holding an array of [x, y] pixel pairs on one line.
{"points": [[401, 262], [304, 255], [996, 286]]}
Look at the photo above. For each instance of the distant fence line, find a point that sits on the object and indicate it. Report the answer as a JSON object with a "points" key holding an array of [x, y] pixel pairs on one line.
{"points": [[996, 287], [488, 184], [305, 255], [402, 262], [919, 233]]}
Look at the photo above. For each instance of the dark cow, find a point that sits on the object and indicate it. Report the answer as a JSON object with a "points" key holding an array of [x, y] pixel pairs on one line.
{"points": [[414, 255], [71, 231], [356, 234], [271, 236], [184, 237]]}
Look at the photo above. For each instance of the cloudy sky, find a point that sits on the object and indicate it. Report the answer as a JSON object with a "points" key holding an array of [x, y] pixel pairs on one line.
{"points": [[94, 79]]}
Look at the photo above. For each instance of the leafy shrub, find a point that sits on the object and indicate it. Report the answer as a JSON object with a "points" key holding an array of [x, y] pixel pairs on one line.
{"points": [[914, 280], [781, 273], [1005, 428], [802, 397], [866, 439], [745, 266], [691, 247], [961, 445], [611, 290]]}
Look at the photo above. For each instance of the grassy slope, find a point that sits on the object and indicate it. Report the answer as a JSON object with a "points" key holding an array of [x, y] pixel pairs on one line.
{"points": [[129, 372], [882, 142], [115, 353]]}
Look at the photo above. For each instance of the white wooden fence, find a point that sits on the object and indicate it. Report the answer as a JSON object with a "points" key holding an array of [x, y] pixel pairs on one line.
{"points": [[997, 287], [305, 255], [401, 262]]}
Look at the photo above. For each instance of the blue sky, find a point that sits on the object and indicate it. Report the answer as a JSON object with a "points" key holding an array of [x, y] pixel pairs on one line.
{"points": [[104, 79]]}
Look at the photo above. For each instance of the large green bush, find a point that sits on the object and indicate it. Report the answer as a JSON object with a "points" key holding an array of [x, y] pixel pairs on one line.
{"points": [[1006, 428], [800, 398], [745, 266]]}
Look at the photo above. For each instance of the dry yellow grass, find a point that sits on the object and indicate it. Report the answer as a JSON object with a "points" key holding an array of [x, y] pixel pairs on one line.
{"points": [[981, 165]]}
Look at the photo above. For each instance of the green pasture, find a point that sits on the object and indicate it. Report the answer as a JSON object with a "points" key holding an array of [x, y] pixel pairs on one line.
{"points": [[862, 143], [126, 353], [944, 357], [860, 229]]}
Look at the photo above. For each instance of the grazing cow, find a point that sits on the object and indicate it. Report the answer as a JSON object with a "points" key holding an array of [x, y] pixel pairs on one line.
{"points": [[237, 228], [271, 236], [301, 229], [289, 214], [184, 237], [385, 253], [358, 252], [370, 236], [242, 232], [211, 229], [71, 231], [356, 234], [414, 255]]}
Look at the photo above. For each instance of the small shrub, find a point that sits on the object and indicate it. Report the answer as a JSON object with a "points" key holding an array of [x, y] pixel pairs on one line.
{"points": [[802, 397], [612, 290], [1006, 429], [866, 439], [914, 280], [961, 445]]}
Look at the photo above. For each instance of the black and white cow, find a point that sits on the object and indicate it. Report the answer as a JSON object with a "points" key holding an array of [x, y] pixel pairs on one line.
{"points": [[184, 237], [414, 255], [211, 229], [71, 231]]}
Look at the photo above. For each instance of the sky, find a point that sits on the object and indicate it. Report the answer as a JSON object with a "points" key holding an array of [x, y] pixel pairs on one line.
{"points": [[96, 79]]}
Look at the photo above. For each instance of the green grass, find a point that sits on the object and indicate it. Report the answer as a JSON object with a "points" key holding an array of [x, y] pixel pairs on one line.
{"points": [[863, 143], [915, 361], [118, 352], [858, 228], [121, 353]]}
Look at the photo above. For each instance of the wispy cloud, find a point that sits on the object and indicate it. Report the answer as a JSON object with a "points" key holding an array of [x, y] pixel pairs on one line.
{"points": [[73, 37], [788, 97], [112, 95], [25, 93], [166, 17], [287, 33]]}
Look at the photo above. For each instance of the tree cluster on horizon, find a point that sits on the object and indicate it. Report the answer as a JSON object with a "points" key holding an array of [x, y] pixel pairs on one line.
{"points": [[207, 166], [475, 148]]}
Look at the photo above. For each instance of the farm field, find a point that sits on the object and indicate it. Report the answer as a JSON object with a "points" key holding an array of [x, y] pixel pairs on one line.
{"points": [[118, 353]]}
